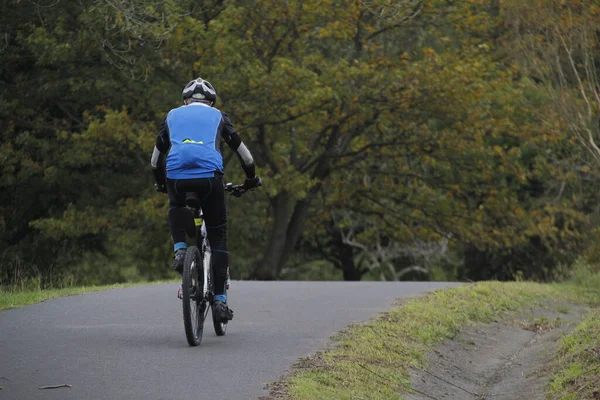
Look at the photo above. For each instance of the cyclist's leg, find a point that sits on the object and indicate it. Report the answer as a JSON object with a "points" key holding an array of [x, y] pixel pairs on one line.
{"points": [[181, 218], [178, 214], [215, 216]]}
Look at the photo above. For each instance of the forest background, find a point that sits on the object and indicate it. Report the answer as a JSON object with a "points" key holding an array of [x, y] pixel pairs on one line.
{"points": [[397, 140]]}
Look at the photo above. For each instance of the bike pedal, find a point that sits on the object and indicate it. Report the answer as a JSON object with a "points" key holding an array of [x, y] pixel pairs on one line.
{"points": [[179, 293]]}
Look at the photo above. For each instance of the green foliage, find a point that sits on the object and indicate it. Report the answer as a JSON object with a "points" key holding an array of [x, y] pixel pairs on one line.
{"points": [[376, 126], [312, 271]]}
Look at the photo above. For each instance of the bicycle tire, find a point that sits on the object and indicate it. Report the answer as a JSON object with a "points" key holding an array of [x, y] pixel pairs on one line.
{"points": [[195, 306], [220, 327]]}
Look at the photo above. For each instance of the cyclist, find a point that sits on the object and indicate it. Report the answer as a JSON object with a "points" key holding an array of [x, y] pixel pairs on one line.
{"points": [[188, 152]]}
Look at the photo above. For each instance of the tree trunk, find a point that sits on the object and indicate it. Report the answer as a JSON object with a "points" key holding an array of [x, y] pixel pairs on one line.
{"points": [[349, 269], [287, 230], [285, 234], [342, 255], [294, 231], [267, 268]]}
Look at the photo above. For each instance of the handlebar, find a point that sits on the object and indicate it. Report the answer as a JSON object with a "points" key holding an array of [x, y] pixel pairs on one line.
{"points": [[235, 190], [238, 190], [193, 202]]}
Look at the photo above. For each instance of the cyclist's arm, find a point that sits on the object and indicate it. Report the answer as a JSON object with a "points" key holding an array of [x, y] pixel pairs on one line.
{"points": [[235, 143], [163, 143]]}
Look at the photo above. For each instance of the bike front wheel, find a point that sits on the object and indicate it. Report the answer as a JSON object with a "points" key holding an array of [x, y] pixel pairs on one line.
{"points": [[195, 304]]}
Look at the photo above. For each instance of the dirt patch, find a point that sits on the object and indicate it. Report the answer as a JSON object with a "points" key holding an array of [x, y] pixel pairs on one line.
{"points": [[278, 390], [504, 360]]}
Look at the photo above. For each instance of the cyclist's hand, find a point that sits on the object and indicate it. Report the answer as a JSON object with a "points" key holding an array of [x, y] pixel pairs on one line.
{"points": [[161, 188], [252, 183]]}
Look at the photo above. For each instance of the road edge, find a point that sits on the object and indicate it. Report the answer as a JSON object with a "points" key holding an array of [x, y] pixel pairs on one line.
{"points": [[373, 360], [11, 299]]}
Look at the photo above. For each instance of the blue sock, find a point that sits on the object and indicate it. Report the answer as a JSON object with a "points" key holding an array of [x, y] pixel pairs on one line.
{"points": [[179, 245], [221, 297]]}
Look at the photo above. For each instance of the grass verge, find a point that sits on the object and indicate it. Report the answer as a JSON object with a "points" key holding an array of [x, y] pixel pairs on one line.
{"points": [[17, 298], [577, 366], [372, 360]]}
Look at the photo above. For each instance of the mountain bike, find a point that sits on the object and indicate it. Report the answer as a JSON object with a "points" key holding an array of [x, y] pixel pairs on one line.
{"points": [[197, 291]]}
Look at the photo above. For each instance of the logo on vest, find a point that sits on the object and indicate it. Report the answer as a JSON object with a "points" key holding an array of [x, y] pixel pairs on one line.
{"points": [[192, 141]]}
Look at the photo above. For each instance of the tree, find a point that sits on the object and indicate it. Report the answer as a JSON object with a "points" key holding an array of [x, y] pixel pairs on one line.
{"points": [[382, 131], [558, 43], [70, 149]]}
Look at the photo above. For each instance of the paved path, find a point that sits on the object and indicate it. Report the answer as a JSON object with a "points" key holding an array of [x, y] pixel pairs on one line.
{"points": [[129, 343]]}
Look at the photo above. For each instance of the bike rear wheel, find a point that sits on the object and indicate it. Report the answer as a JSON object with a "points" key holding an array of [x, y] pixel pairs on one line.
{"points": [[195, 304], [220, 327]]}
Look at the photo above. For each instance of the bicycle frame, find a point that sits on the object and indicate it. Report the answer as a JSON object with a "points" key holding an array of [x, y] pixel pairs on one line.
{"points": [[195, 298], [204, 246]]}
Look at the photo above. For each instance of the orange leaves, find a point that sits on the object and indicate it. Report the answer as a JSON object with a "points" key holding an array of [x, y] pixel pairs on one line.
{"points": [[585, 169], [429, 52]]}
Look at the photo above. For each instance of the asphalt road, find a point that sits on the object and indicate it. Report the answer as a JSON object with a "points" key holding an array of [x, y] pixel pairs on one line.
{"points": [[129, 343]]}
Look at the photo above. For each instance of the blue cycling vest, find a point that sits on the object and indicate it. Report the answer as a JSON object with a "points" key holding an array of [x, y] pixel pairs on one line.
{"points": [[194, 132]]}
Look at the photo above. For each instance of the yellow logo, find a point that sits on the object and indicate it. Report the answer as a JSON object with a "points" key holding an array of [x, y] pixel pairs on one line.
{"points": [[192, 141]]}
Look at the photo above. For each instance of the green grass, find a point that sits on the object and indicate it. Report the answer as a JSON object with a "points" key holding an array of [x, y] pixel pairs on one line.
{"points": [[577, 366], [11, 298], [372, 360]]}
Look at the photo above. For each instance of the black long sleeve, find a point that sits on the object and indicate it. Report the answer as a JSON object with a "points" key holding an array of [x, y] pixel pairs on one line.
{"points": [[235, 143]]}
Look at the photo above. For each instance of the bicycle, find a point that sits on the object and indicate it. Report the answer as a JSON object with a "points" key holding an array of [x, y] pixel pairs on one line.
{"points": [[197, 291]]}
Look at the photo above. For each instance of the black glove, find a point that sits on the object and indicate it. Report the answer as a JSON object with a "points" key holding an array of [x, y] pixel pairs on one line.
{"points": [[161, 188], [250, 183]]}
